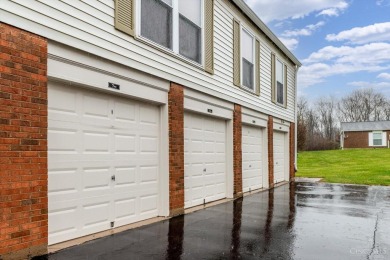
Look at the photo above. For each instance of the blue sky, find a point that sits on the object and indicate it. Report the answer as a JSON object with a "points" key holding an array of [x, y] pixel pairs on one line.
{"points": [[343, 44]]}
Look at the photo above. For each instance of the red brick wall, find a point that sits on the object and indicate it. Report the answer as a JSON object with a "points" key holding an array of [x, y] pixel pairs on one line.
{"points": [[176, 149], [292, 151], [23, 144], [359, 139], [356, 140], [270, 128], [237, 151]]}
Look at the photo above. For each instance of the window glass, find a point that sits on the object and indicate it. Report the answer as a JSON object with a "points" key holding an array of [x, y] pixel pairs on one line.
{"points": [[190, 39], [247, 59], [191, 9], [247, 46], [156, 21], [190, 32], [377, 137], [279, 82]]}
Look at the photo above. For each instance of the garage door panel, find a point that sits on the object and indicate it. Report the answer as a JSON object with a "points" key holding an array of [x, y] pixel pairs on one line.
{"points": [[148, 144], [63, 218], [125, 176], [125, 113], [96, 178], [63, 140], [124, 209], [100, 136], [125, 143]]}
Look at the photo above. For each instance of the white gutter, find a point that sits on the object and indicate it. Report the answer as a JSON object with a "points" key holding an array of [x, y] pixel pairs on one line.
{"points": [[296, 118], [249, 12]]}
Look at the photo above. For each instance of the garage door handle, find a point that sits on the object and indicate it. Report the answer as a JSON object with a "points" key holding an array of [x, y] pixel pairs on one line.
{"points": [[204, 170], [113, 177]]}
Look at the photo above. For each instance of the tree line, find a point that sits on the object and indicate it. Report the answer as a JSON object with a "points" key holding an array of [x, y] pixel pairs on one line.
{"points": [[319, 122]]}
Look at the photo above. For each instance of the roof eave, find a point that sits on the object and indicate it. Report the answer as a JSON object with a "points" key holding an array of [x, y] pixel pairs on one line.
{"points": [[249, 12]]}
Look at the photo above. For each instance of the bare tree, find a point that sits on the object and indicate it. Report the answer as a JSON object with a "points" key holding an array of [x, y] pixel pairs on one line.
{"points": [[326, 108], [363, 105]]}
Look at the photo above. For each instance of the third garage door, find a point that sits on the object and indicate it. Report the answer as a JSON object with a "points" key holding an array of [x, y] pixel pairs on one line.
{"points": [[252, 144], [204, 159]]}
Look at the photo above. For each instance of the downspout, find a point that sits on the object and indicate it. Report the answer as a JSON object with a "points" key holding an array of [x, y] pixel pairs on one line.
{"points": [[296, 118]]}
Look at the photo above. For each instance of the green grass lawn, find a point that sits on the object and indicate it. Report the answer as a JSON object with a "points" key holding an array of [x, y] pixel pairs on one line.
{"points": [[357, 166]]}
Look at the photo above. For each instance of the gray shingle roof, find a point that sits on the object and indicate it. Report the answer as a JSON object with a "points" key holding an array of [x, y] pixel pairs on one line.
{"points": [[365, 126]]}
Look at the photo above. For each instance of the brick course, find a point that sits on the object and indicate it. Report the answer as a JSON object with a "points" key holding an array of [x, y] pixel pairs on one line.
{"points": [[176, 149], [237, 151], [23, 143], [292, 151], [270, 128]]}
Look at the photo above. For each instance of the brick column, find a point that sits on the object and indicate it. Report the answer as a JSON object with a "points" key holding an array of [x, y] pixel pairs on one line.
{"points": [[292, 151], [237, 151], [176, 149], [270, 151], [23, 144]]}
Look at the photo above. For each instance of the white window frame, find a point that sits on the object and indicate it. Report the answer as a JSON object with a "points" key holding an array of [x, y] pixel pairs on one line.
{"points": [[276, 82], [254, 60], [175, 32], [383, 138]]}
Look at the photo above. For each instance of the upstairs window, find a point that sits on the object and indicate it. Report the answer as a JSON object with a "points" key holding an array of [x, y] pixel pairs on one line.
{"points": [[156, 21], [279, 82], [190, 29], [247, 60], [175, 25]]}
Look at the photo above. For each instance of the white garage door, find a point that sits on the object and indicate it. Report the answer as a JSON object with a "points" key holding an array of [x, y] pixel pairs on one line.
{"points": [[103, 162], [252, 145], [204, 159], [279, 157]]}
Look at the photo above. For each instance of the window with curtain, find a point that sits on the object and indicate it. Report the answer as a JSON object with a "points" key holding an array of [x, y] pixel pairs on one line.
{"points": [[247, 53]]}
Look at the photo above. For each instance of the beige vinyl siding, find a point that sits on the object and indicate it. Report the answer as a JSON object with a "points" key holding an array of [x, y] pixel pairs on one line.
{"points": [[89, 26]]}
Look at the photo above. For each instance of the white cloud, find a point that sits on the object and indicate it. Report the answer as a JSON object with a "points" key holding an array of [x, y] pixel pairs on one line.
{"points": [[290, 43], [289, 37], [271, 10], [329, 12], [331, 61], [307, 31], [385, 76], [360, 35], [383, 2], [334, 11], [383, 87], [373, 53]]}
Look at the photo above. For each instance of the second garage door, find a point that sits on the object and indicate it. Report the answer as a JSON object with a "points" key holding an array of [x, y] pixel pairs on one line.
{"points": [[204, 159], [279, 156], [103, 162], [252, 145]]}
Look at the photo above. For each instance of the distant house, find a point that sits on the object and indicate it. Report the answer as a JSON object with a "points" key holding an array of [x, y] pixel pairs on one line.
{"points": [[365, 134]]}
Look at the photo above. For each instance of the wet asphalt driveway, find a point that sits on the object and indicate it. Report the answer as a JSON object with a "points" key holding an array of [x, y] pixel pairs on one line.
{"points": [[296, 221]]}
